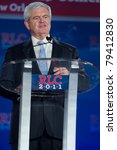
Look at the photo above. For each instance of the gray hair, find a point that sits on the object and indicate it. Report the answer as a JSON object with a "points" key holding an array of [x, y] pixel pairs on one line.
{"points": [[33, 6]]}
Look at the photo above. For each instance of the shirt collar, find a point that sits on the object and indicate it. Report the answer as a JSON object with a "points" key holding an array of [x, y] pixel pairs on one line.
{"points": [[35, 40]]}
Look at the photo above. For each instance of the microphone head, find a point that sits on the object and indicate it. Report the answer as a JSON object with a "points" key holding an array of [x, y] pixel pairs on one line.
{"points": [[49, 38]]}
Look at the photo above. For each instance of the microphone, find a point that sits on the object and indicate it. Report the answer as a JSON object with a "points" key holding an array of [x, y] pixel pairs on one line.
{"points": [[49, 38]]}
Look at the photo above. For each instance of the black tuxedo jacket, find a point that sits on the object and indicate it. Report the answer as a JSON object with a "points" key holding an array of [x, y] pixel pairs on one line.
{"points": [[46, 112]]}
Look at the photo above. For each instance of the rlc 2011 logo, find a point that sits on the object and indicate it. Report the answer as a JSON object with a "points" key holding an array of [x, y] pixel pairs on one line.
{"points": [[50, 82]]}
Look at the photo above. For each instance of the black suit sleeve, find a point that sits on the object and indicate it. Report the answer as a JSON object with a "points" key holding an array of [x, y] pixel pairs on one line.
{"points": [[7, 82]]}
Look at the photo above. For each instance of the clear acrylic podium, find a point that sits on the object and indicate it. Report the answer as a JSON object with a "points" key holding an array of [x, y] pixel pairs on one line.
{"points": [[24, 78]]}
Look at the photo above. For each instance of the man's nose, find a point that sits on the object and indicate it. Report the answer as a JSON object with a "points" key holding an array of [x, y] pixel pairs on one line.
{"points": [[41, 19]]}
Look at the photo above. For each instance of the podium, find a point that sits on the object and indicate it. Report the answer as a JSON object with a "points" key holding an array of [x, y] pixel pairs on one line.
{"points": [[23, 80]]}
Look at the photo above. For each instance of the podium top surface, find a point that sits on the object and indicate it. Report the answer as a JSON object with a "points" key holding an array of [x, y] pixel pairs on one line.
{"points": [[55, 80]]}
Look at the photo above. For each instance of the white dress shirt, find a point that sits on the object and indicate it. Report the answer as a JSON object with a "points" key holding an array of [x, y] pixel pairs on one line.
{"points": [[47, 46]]}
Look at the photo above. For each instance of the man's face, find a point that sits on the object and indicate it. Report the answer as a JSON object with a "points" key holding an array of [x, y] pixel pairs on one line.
{"points": [[39, 22]]}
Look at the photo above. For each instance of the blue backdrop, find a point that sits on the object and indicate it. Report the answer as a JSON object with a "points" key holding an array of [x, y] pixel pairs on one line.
{"points": [[85, 36]]}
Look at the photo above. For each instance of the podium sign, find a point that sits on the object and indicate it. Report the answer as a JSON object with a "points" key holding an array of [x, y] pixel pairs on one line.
{"points": [[50, 82]]}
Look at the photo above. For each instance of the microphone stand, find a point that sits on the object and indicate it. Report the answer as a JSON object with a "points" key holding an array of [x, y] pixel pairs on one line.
{"points": [[48, 39]]}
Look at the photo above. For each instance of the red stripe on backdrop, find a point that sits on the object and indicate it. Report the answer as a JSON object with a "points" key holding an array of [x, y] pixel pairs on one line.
{"points": [[76, 8]]}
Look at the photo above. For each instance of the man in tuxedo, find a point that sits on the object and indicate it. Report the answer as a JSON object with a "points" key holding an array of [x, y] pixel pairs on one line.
{"points": [[46, 112]]}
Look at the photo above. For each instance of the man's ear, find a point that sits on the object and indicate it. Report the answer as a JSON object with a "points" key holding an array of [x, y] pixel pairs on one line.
{"points": [[26, 24]]}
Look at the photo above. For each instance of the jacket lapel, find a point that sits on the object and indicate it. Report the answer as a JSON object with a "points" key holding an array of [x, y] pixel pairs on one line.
{"points": [[28, 50], [56, 53], [30, 54]]}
